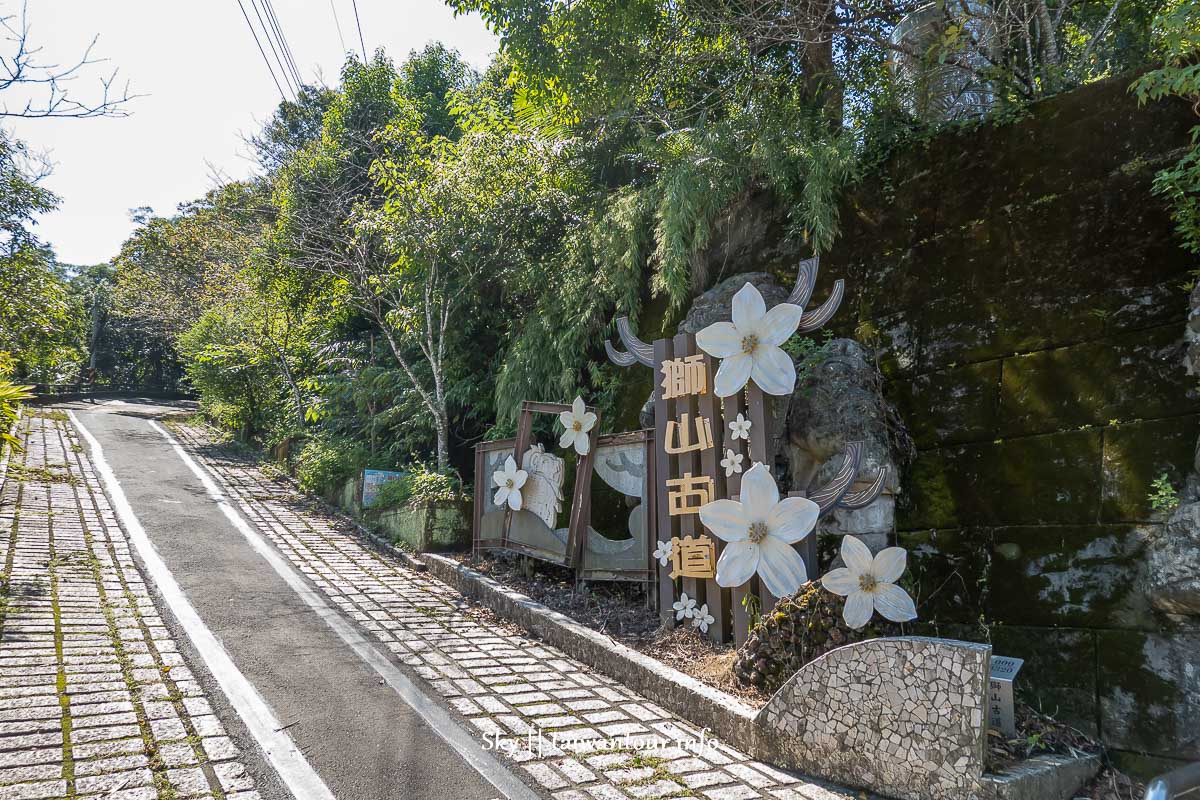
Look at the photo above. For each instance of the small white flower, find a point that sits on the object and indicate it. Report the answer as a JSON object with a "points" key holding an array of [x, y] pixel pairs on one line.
{"points": [[664, 551], [760, 531], [749, 347], [510, 480], [869, 584], [577, 422], [740, 428], [732, 462], [702, 619], [685, 607]]}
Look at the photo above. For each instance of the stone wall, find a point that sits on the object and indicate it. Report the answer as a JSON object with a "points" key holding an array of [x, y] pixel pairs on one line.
{"points": [[1029, 301], [903, 717]]}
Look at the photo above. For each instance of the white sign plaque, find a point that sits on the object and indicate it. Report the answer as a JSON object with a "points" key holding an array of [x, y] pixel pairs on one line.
{"points": [[1001, 714]]}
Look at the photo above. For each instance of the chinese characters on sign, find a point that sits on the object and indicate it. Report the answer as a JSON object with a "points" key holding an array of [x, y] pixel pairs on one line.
{"points": [[693, 557], [679, 437], [685, 495], [1000, 694], [684, 376]]}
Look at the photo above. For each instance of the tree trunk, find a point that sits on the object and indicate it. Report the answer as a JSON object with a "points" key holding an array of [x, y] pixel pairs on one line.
{"points": [[821, 87], [443, 442]]}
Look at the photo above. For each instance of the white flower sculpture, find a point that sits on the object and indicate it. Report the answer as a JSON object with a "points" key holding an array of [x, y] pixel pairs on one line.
{"points": [[740, 428], [732, 462], [510, 480], [869, 584], [760, 531], [685, 607], [702, 619], [749, 347], [664, 552], [578, 422]]}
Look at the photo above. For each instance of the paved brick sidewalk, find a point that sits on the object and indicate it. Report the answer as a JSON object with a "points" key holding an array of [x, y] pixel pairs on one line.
{"points": [[504, 682], [95, 699]]}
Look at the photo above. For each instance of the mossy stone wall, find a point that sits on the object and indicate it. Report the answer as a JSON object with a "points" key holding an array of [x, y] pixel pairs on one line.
{"points": [[1030, 300]]}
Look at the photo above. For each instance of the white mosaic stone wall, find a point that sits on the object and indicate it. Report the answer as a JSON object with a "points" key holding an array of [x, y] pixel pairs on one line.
{"points": [[904, 717]]}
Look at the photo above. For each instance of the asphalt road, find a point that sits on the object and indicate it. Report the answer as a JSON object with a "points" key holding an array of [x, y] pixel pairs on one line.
{"points": [[362, 738]]}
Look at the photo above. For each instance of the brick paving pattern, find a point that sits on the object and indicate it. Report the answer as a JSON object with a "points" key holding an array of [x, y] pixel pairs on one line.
{"points": [[95, 699], [505, 683]]}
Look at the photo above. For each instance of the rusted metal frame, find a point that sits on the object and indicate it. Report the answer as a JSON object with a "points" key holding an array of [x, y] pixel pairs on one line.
{"points": [[482, 490], [480, 497], [581, 505], [578, 518], [716, 597], [662, 471]]}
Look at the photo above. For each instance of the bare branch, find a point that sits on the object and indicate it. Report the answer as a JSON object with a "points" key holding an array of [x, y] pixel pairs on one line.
{"points": [[45, 84]]}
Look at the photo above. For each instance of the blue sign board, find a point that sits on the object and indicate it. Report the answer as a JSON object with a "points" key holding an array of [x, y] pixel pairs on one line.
{"points": [[372, 480]]}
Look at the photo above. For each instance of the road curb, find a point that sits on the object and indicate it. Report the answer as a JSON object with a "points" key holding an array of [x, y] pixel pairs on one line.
{"points": [[703, 705]]}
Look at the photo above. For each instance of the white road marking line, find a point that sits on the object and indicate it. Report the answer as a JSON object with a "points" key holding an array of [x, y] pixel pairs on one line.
{"points": [[293, 768], [438, 719]]}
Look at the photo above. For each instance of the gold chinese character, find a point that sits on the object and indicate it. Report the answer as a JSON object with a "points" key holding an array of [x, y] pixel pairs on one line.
{"points": [[684, 376], [679, 435], [693, 557], [685, 495]]}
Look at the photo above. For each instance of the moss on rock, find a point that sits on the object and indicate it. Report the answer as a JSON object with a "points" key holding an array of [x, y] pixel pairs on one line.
{"points": [[798, 630]]}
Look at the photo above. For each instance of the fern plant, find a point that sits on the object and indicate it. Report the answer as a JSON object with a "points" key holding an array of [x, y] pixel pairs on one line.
{"points": [[11, 395]]}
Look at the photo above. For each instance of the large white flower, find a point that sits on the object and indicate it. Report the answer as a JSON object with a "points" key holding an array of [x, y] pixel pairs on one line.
{"points": [[869, 584], [510, 480], [760, 531], [664, 551], [578, 422], [749, 347], [684, 607], [702, 619], [740, 428]]}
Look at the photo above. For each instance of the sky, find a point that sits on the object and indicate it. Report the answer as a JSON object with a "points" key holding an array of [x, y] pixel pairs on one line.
{"points": [[206, 88]]}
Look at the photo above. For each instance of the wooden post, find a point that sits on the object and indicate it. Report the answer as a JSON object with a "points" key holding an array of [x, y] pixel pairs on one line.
{"points": [[716, 597], [740, 617], [662, 472]]}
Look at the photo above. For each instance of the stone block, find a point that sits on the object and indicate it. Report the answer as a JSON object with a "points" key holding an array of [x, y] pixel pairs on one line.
{"points": [[1072, 575], [949, 406], [1150, 691], [904, 717], [949, 571], [1124, 377], [1137, 453], [1059, 674], [1031, 480]]}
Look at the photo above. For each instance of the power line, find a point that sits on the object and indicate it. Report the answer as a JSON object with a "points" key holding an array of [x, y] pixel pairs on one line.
{"points": [[354, 3], [284, 44], [278, 59], [338, 23], [266, 60]]}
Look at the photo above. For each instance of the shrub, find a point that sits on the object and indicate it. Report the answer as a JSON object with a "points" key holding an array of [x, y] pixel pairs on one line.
{"points": [[326, 463], [11, 396], [420, 486]]}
